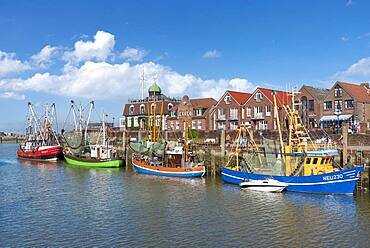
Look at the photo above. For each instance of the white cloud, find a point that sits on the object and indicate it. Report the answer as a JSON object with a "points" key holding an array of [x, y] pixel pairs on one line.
{"points": [[9, 64], [212, 54], [134, 54], [343, 38], [358, 71], [43, 58], [12, 95], [98, 49], [102, 80]]}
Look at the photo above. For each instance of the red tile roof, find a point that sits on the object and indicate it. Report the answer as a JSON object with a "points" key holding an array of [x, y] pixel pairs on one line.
{"points": [[358, 92], [282, 97], [240, 97]]}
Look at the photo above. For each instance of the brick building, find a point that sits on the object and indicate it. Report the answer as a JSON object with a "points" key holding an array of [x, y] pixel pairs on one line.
{"points": [[229, 112], [259, 108], [311, 106], [347, 102], [135, 113], [196, 112]]}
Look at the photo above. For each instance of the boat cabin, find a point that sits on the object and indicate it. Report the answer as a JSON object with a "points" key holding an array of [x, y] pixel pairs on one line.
{"points": [[101, 151]]}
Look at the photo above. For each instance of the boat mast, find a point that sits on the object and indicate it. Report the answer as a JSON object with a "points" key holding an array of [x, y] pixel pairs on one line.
{"points": [[186, 146], [80, 118], [88, 120], [103, 127], [74, 115], [279, 128], [37, 124]]}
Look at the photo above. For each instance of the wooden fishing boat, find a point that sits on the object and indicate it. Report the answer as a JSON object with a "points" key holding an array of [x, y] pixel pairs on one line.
{"points": [[99, 155], [309, 168], [143, 166], [152, 157], [41, 142]]}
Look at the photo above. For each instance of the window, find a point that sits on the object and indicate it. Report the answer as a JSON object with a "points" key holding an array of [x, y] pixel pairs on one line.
{"points": [[128, 121], [132, 110], [258, 96], [338, 104], [198, 112], [122, 122], [233, 114], [338, 92], [193, 125], [173, 113], [221, 113], [249, 111], [311, 105], [227, 99], [328, 105], [221, 125], [348, 104], [142, 109], [136, 121], [177, 125], [314, 161], [199, 124], [172, 125], [268, 110], [308, 160], [233, 125], [243, 113], [170, 106]]}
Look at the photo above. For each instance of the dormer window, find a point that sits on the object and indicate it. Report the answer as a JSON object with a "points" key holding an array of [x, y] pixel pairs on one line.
{"points": [[170, 106], [131, 110], [258, 96], [142, 109], [198, 112], [227, 99]]}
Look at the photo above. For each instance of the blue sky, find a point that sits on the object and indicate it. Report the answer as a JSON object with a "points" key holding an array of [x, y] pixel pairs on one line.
{"points": [[97, 49]]}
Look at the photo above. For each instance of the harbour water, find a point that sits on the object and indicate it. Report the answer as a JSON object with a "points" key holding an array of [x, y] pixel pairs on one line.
{"points": [[55, 205]]}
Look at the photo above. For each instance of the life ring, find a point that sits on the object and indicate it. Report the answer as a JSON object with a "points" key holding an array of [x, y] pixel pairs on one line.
{"points": [[320, 172]]}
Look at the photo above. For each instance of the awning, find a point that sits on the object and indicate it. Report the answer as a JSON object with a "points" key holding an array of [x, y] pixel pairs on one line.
{"points": [[332, 118]]}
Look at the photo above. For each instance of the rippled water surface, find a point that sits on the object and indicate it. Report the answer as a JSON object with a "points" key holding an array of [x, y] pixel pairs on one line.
{"points": [[46, 204]]}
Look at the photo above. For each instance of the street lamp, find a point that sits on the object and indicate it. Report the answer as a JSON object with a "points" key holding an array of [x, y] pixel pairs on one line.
{"points": [[337, 113]]}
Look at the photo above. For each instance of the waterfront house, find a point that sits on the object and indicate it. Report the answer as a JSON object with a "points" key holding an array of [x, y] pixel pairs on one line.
{"points": [[135, 113], [195, 112], [259, 108], [228, 111], [311, 106], [347, 102]]}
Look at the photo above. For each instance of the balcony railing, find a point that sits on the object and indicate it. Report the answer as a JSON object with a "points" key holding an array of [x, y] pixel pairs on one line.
{"points": [[233, 117]]}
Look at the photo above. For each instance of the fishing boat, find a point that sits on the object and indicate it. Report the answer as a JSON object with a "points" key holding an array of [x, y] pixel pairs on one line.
{"points": [[309, 167], [154, 157], [269, 185], [42, 142], [99, 155]]}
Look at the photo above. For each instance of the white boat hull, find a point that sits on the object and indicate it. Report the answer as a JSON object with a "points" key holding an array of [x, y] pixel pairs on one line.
{"points": [[264, 185]]}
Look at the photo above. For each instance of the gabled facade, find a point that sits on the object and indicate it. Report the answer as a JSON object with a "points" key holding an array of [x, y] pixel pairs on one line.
{"points": [[311, 104], [195, 112], [228, 112], [347, 102], [259, 108]]}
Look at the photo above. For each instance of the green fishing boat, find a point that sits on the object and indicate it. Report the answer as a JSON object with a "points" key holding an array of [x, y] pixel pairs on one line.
{"points": [[86, 162], [98, 155]]}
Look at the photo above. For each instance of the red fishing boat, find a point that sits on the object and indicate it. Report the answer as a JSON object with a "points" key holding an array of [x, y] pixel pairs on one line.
{"points": [[41, 140]]}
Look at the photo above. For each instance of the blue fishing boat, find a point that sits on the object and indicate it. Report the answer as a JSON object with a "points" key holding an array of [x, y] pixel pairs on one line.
{"points": [[338, 182], [307, 167]]}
